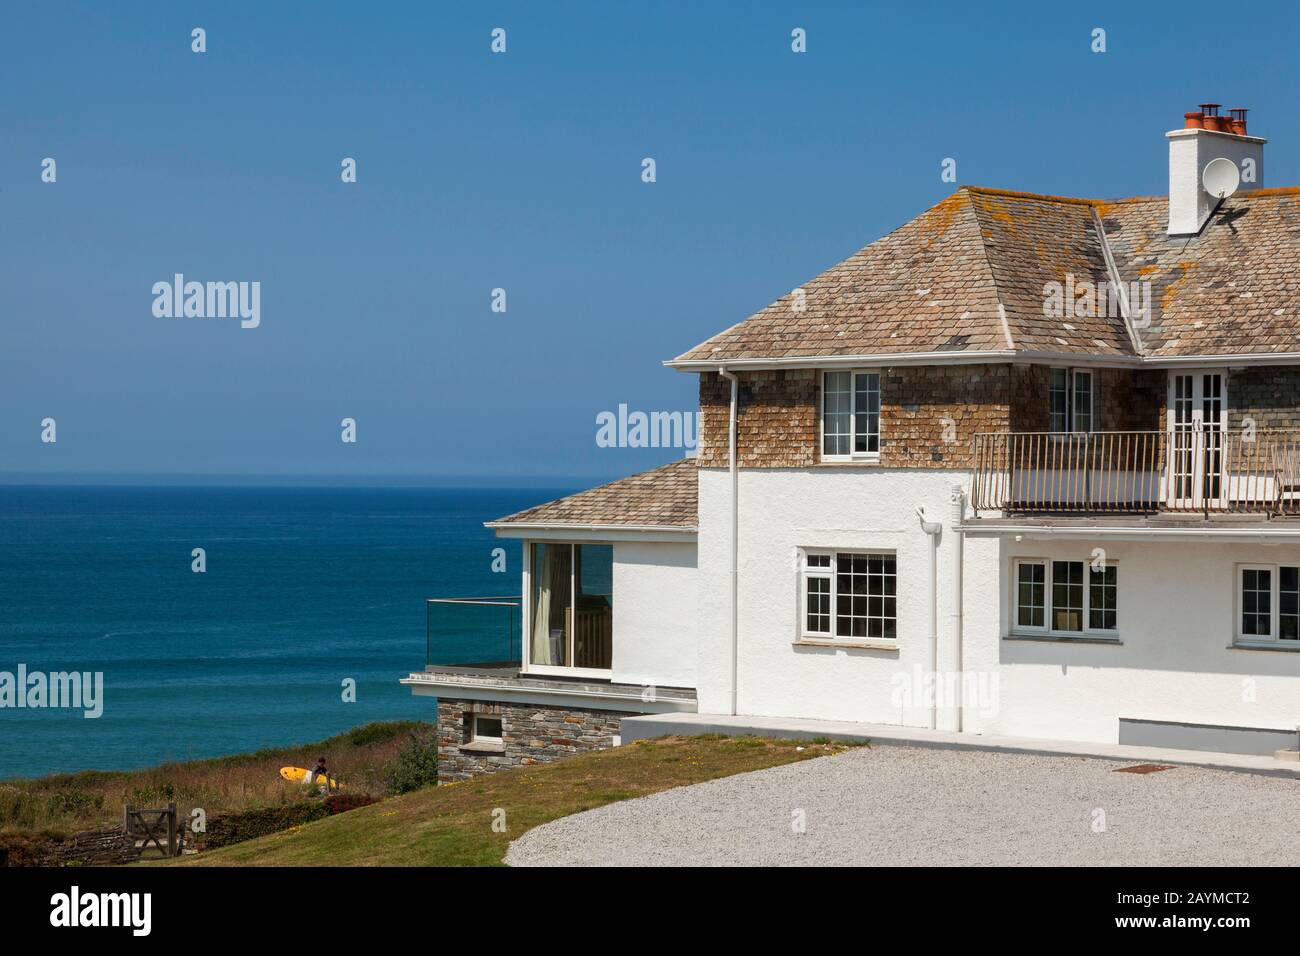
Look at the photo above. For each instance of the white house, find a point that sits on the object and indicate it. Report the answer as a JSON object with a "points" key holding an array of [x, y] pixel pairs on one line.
{"points": [[1027, 465]]}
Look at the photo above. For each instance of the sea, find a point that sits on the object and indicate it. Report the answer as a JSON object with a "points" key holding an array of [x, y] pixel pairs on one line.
{"points": [[305, 594]]}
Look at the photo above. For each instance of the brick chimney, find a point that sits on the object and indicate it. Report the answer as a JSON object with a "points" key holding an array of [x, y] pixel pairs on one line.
{"points": [[1208, 136]]}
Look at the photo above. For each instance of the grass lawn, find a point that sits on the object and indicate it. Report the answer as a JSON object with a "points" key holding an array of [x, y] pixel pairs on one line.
{"points": [[451, 825]]}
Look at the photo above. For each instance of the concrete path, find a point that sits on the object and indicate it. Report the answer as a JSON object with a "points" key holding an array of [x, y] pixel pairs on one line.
{"points": [[911, 806]]}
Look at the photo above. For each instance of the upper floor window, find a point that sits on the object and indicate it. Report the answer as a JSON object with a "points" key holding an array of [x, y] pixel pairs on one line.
{"points": [[850, 415], [1070, 400]]}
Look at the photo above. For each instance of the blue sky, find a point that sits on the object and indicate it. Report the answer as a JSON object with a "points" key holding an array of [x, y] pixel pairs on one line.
{"points": [[519, 171]]}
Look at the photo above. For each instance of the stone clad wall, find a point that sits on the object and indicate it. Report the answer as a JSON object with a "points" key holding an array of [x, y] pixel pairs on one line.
{"points": [[531, 733], [1270, 395], [776, 422], [1123, 399], [928, 415]]}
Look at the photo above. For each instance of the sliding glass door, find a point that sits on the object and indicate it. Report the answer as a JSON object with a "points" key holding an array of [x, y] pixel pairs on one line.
{"points": [[571, 606]]}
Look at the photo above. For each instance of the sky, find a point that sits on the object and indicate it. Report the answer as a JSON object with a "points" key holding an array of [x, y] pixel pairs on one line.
{"points": [[519, 171]]}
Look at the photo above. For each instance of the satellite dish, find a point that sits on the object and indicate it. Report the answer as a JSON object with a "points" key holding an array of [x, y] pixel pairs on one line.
{"points": [[1221, 178]]}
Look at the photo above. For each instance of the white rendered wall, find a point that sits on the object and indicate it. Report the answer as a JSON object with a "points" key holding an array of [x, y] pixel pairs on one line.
{"points": [[846, 508], [1176, 605], [1176, 614], [654, 613]]}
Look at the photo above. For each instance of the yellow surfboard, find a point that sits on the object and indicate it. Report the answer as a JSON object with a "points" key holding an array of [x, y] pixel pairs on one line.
{"points": [[299, 775]]}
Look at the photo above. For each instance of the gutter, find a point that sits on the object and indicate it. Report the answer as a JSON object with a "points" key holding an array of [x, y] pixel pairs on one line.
{"points": [[896, 359], [579, 526], [990, 357], [933, 529], [977, 529], [735, 532], [958, 500]]}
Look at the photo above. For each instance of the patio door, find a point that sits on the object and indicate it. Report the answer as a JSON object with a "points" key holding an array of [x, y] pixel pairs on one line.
{"points": [[1197, 417]]}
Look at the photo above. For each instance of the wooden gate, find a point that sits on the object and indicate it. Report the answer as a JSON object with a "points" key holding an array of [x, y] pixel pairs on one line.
{"points": [[156, 827]]}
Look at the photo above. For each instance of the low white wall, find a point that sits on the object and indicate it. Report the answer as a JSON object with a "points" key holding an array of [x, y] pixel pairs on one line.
{"points": [[654, 613]]}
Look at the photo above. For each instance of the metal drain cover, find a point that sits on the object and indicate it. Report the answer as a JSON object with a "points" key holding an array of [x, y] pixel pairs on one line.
{"points": [[1144, 768]]}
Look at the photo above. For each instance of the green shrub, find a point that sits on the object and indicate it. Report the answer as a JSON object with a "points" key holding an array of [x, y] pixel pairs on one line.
{"points": [[74, 802], [415, 766], [249, 824]]}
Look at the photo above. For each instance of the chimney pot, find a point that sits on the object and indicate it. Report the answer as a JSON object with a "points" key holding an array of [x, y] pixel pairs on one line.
{"points": [[1239, 119], [1193, 121]]}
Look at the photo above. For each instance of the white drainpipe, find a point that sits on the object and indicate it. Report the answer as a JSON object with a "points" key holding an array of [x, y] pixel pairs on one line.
{"points": [[933, 528], [735, 534], [958, 560]]}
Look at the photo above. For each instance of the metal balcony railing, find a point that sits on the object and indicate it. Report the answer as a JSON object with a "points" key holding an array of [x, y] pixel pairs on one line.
{"points": [[473, 632], [1138, 472]]}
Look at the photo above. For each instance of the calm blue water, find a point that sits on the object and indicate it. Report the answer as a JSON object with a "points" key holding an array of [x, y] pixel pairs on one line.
{"points": [[303, 588]]}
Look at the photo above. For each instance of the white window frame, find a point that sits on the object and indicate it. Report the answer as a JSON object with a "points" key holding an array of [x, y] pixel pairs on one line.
{"points": [[808, 572], [1016, 628], [1071, 411], [1274, 637], [831, 573], [477, 738], [853, 415], [526, 666]]}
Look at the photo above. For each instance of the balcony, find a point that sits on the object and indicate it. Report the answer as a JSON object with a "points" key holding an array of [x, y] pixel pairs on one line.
{"points": [[473, 634], [473, 651], [1194, 472]]}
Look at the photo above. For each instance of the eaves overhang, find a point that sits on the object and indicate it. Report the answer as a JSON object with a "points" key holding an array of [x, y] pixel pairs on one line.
{"points": [[988, 357], [1265, 532], [588, 532]]}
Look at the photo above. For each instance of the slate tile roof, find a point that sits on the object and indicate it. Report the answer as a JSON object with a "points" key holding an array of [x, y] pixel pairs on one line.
{"points": [[1235, 288], [665, 497], [968, 275]]}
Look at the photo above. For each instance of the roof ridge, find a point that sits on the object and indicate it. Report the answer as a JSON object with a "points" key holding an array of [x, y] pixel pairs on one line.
{"points": [[1047, 197], [993, 276]]}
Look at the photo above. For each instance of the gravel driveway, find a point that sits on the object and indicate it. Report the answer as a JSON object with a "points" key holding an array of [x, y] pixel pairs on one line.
{"points": [[906, 806]]}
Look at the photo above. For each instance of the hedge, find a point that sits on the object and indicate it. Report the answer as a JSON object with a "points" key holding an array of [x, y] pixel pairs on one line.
{"points": [[249, 824]]}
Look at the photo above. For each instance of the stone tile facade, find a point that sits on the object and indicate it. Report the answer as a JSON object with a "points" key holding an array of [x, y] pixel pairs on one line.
{"points": [[929, 413], [1123, 399], [776, 419], [1269, 395], [531, 734]]}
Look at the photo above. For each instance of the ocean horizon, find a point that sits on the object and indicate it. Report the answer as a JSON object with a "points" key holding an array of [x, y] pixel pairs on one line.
{"points": [[304, 587]]}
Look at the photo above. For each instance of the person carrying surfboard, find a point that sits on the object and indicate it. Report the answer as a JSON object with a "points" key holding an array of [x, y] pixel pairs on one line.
{"points": [[320, 774]]}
